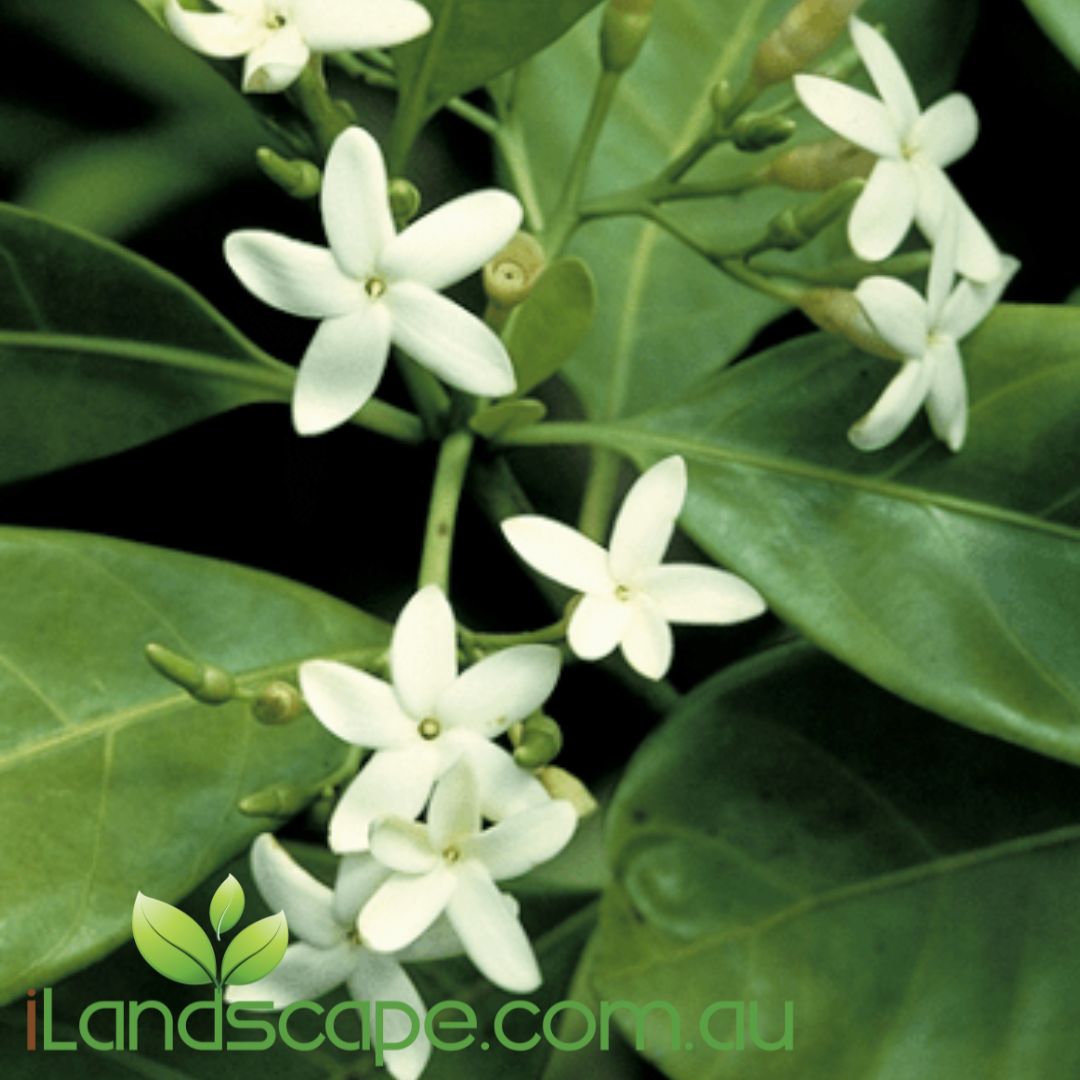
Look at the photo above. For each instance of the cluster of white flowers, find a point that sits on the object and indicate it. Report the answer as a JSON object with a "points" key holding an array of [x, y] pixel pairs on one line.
{"points": [[909, 185]]}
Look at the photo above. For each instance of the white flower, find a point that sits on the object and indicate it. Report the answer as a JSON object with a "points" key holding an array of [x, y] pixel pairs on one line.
{"points": [[372, 288], [431, 717], [330, 952], [449, 865], [629, 597], [908, 182], [278, 36], [926, 332]]}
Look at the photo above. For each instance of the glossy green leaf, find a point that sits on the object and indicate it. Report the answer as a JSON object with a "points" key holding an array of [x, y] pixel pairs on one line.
{"points": [[664, 317], [112, 780], [949, 579], [226, 906], [546, 330], [1061, 21], [255, 951], [172, 942], [793, 834], [101, 350]]}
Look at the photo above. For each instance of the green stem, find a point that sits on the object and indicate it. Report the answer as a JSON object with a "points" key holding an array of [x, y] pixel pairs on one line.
{"points": [[546, 634], [446, 491], [394, 423], [312, 97], [431, 400], [851, 271], [565, 218], [600, 489], [636, 200]]}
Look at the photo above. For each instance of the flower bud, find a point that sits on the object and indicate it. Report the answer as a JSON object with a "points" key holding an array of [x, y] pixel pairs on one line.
{"points": [[404, 201], [804, 33], [510, 276], [539, 742], [277, 703], [277, 800], [819, 166], [798, 225], [204, 682], [298, 178], [623, 31], [838, 312], [753, 132], [560, 784]]}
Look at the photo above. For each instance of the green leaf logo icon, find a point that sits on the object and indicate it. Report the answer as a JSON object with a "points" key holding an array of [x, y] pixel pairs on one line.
{"points": [[227, 906], [255, 951], [173, 943]]}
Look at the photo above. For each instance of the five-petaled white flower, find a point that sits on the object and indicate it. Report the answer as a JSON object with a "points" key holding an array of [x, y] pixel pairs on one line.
{"points": [[278, 36], [450, 865], [330, 951], [431, 717], [629, 597], [908, 182], [925, 332], [373, 287]]}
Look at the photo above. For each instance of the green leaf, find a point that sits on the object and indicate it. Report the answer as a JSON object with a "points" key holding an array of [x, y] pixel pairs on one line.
{"points": [[1061, 21], [172, 942], [226, 906], [546, 330], [665, 318], [949, 579], [111, 779], [794, 834], [101, 350], [255, 951]]}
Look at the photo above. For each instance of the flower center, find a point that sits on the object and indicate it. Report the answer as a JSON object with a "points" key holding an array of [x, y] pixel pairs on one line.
{"points": [[452, 854], [275, 21], [623, 593], [430, 728], [354, 937], [375, 286]]}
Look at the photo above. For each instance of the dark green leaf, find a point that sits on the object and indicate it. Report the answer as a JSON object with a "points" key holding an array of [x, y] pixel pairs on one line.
{"points": [[1061, 21], [113, 781], [226, 906], [172, 942], [255, 951], [949, 579], [794, 834], [101, 350]]}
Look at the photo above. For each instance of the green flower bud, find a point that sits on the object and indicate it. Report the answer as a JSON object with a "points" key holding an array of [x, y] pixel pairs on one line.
{"points": [[277, 703], [804, 33], [298, 178], [820, 166], [404, 201], [623, 31], [510, 276], [204, 682], [540, 741], [753, 132], [838, 312], [277, 800], [795, 226], [560, 784]]}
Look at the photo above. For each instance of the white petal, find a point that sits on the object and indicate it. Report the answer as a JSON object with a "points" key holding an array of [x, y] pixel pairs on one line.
{"points": [[276, 63], [947, 401], [647, 643], [355, 706], [559, 552], [340, 369], [335, 25], [423, 652], [455, 807], [304, 974], [646, 519], [403, 845], [287, 886], [438, 942], [358, 878], [250, 8], [894, 409], [492, 937], [897, 312], [291, 275], [977, 256], [217, 34], [947, 130], [394, 782], [684, 593], [405, 907], [887, 73], [501, 689], [971, 302], [942, 268], [503, 786], [450, 341], [382, 978], [517, 844], [597, 626], [884, 211], [355, 205], [856, 116], [454, 240]]}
